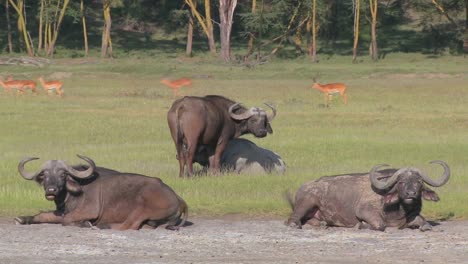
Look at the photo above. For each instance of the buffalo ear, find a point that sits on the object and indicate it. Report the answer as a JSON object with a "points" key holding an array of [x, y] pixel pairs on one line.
{"points": [[72, 186], [269, 129], [39, 178], [391, 198], [429, 194]]}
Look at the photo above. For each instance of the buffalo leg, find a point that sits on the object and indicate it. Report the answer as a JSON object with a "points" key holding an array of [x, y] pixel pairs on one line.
{"points": [[419, 222], [79, 217], [215, 166], [48, 217], [372, 217], [302, 209], [182, 158]]}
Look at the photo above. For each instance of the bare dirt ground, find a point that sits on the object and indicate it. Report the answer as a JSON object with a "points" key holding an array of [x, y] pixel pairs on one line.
{"points": [[232, 240]]}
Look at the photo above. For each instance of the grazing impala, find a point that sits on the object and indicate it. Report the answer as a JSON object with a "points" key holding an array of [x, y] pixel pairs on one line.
{"points": [[20, 85], [52, 85], [329, 89], [176, 84]]}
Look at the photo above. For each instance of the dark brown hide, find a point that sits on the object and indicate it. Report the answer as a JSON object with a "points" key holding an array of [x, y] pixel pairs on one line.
{"points": [[107, 199], [207, 121]]}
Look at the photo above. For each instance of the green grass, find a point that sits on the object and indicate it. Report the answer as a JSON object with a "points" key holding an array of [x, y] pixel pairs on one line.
{"points": [[404, 110]]}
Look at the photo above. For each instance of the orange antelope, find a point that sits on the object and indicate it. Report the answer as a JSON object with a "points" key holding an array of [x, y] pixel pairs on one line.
{"points": [[331, 88], [20, 85], [176, 84], [52, 85]]}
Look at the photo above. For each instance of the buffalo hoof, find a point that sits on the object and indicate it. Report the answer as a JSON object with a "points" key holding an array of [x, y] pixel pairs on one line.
{"points": [[23, 220], [425, 227], [293, 224], [172, 228], [88, 224]]}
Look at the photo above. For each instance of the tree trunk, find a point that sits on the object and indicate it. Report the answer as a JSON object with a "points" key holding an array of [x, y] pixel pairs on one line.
{"points": [[373, 4], [22, 25], [314, 32], [7, 11], [356, 4], [209, 27], [41, 26], [465, 42], [205, 22], [188, 49], [106, 45], [85, 32], [55, 30], [226, 13], [250, 44]]}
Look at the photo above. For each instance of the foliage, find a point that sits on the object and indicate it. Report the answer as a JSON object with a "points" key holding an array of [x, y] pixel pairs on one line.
{"points": [[406, 26]]}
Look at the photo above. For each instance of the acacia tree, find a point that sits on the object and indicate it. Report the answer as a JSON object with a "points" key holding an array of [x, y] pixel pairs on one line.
{"points": [[19, 8], [373, 4], [465, 43], [312, 27], [188, 48], [51, 14], [226, 14], [204, 21], [85, 32], [62, 6], [250, 45], [7, 13], [356, 11], [106, 42]]}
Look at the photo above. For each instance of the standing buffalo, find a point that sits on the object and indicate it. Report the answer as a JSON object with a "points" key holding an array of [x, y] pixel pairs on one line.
{"points": [[212, 121], [242, 155], [105, 198], [377, 199]]}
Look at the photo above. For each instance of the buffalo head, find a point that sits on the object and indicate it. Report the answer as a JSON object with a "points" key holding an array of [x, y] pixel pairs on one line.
{"points": [[56, 176], [256, 119], [407, 184]]}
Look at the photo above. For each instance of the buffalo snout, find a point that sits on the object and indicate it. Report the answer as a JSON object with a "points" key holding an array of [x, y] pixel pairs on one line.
{"points": [[51, 192]]}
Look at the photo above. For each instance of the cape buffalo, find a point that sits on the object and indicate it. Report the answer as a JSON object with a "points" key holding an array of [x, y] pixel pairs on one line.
{"points": [[90, 195], [242, 155], [212, 121], [377, 199]]}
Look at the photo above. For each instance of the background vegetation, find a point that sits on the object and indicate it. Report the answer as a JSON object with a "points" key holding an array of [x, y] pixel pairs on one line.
{"points": [[115, 28]]}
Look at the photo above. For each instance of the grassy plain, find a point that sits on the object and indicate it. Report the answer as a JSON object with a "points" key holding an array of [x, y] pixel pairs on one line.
{"points": [[405, 110]]}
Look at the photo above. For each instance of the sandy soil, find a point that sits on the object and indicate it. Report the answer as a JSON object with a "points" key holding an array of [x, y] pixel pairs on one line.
{"points": [[232, 240]]}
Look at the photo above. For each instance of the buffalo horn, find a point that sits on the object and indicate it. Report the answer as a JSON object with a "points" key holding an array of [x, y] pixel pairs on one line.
{"points": [[442, 180], [26, 175], [242, 116], [270, 117], [82, 174], [383, 185]]}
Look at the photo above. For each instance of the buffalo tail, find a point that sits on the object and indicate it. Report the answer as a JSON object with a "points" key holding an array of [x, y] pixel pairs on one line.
{"points": [[288, 196]]}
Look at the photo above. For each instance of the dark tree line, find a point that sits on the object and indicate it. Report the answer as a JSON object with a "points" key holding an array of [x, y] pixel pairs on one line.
{"points": [[285, 28]]}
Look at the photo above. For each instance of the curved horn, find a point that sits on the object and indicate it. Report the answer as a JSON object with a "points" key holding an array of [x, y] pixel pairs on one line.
{"points": [[272, 116], [82, 174], [382, 185], [242, 116], [26, 175], [442, 179]]}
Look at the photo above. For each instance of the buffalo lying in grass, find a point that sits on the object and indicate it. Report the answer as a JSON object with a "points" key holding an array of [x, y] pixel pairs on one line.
{"points": [[378, 199], [90, 195], [242, 155]]}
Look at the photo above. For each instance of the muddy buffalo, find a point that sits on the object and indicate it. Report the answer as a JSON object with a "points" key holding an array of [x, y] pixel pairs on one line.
{"points": [[242, 155], [212, 121], [375, 200], [104, 198]]}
